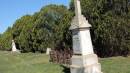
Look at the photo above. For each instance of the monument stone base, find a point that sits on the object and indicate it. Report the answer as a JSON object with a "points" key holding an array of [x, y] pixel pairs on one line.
{"points": [[17, 51], [85, 64]]}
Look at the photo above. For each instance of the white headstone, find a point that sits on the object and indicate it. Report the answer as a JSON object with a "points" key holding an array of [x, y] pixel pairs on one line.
{"points": [[84, 60], [48, 51], [14, 49]]}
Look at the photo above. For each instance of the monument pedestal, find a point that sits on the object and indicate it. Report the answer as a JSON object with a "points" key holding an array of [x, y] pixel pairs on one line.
{"points": [[85, 64]]}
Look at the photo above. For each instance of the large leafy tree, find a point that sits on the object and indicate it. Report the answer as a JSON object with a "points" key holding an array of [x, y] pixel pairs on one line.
{"points": [[47, 28], [53, 24], [5, 40]]}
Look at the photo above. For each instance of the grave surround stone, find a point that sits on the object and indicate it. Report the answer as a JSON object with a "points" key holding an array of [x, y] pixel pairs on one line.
{"points": [[84, 60], [48, 51]]}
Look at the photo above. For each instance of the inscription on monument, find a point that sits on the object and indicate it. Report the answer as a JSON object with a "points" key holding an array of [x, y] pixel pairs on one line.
{"points": [[76, 43]]}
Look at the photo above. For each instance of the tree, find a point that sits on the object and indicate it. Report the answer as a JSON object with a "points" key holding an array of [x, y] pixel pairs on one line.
{"points": [[53, 24], [6, 39], [110, 25], [47, 28]]}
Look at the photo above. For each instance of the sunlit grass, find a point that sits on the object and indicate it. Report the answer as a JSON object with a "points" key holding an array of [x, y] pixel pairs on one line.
{"points": [[39, 63]]}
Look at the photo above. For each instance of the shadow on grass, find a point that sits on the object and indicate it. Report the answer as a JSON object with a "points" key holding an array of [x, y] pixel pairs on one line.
{"points": [[65, 69]]}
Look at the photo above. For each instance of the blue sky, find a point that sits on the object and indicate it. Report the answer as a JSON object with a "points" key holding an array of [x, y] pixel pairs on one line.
{"points": [[10, 10]]}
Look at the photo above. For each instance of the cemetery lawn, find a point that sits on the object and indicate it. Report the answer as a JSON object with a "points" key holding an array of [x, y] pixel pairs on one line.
{"points": [[39, 63]]}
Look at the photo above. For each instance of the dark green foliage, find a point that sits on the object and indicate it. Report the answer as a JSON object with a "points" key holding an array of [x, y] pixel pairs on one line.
{"points": [[22, 31], [110, 25], [5, 40], [47, 28], [51, 27]]}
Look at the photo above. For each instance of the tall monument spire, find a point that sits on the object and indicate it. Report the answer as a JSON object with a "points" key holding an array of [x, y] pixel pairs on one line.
{"points": [[83, 60], [77, 8]]}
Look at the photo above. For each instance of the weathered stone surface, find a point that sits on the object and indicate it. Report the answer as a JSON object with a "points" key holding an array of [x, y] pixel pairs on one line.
{"points": [[85, 64], [76, 42], [82, 42], [79, 21], [84, 60], [96, 68]]}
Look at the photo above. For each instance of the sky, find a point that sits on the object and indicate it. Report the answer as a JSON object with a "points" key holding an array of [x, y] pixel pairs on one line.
{"points": [[11, 10]]}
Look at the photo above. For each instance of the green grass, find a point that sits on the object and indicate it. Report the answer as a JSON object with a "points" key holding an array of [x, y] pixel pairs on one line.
{"points": [[116, 65], [38, 63], [27, 63]]}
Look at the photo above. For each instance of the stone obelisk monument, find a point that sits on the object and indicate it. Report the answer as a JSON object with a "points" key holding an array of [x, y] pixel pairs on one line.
{"points": [[84, 60]]}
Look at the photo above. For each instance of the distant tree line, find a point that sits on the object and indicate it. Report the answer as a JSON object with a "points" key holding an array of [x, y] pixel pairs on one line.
{"points": [[34, 33], [110, 32]]}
